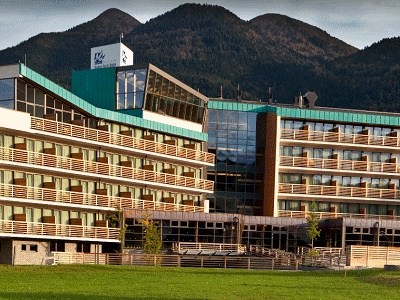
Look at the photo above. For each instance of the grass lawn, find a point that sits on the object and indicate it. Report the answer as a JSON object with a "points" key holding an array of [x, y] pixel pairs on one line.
{"points": [[124, 282]]}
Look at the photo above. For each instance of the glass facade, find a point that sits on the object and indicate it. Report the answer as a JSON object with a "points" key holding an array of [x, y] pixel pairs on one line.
{"points": [[232, 137], [167, 97], [7, 93], [130, 89]]}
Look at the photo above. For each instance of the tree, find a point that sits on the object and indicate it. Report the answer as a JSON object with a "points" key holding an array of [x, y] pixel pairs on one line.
{"points": [[313, 230], [152, 243], [117, 221]]}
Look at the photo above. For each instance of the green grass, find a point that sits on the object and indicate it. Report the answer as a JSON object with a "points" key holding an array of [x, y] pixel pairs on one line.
{"points": [[122, 282]]}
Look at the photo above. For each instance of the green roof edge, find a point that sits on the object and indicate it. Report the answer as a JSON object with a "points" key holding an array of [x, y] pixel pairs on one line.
{"points": [[316, 114], [111, 115]]}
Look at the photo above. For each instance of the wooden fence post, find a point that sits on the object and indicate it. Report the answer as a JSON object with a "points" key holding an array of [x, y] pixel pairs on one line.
{"points": [[155, 260], [248, 263], [179, 261], [224, 262], [130, 259], [273, 264], [201, 262]]}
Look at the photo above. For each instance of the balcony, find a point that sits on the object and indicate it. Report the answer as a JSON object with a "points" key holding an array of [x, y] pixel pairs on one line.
{"points": [[342, 165], [364, 140], [334, 215], [143, 146], [336, 193], [57, 231], [67, 198], [96, 170]]}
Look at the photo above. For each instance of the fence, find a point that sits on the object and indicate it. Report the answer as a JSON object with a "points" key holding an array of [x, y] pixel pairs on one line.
{"points": [[193, 261], [372, 256]]}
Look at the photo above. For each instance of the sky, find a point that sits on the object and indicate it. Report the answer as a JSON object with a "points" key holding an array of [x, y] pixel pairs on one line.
{"points": [[359, 23]]}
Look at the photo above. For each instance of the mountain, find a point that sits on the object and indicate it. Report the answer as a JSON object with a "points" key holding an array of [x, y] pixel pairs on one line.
{"points": [[368, 79], [207, 47], [301, 37], [55, 55]]}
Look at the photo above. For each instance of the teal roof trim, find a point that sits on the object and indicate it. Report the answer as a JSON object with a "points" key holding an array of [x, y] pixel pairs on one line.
{"points": [[127, 117], [313, 114], [236, 106], [337, 116]]}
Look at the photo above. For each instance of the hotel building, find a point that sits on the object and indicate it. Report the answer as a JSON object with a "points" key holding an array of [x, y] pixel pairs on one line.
{"points": [[77, 166], [72, 163]]}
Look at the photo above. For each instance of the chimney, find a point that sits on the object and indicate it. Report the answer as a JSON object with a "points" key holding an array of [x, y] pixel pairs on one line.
{"points": [[270, 96]]}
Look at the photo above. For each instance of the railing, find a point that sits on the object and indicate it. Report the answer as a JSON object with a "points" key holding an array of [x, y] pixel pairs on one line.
{"points": [[335, 164], [330, 215], [120, 140], [339, 191], [335, 137], [222, 262], [53, 161], [183, 246], [372, 256], [58, 230], [34, 193]]}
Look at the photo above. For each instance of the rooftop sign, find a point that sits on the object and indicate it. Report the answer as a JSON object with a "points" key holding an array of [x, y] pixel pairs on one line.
{"points": [[115, 55]]}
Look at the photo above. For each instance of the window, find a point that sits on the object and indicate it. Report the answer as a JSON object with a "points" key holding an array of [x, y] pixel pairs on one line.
{"points": [[23, 247], [34, 248], [7, 93]]}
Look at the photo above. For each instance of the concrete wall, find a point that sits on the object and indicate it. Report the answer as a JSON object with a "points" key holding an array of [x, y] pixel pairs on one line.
{"points": [[30, 256]]}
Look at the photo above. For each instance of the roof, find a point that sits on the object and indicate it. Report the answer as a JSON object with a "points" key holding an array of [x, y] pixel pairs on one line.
{"points": [[318, 113], [116, 116]]}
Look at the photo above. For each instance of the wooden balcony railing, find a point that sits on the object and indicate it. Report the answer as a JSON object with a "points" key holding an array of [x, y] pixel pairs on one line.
{"points": [[330, 215], [336, 164], [120, 140], [335, 137], [34, 193], [66, 163], [57, 230], [338, 191]]}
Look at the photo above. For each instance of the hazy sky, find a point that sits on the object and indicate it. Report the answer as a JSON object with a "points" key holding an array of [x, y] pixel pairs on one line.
{"points": [[358, 23]]}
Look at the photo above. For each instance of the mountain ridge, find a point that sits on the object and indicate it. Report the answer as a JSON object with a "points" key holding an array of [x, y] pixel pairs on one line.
{"points": [[207, 46]]}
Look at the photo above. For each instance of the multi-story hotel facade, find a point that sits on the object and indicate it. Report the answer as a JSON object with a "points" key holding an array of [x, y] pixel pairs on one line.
{"points": [[70, 167], [77, 166]]}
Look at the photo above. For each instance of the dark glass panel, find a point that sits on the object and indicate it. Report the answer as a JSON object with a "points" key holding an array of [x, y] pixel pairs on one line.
{"points": [[57, 104], [129, 81], [182, 110], [149, 101], [39, 97], [171, 90], [6, 89], [150, 85], [30, 94], [39, 112], [121, 101], [66, 116], [7, 104], [175, 112], [21, 90], [200, 115], [195, 114], [164, 87], [21, 106], [139, 99], [188, 113], [157, 86], [121, 82], [140, 80], [49, 101], [30, 109], [129, 100]]}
